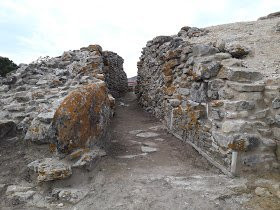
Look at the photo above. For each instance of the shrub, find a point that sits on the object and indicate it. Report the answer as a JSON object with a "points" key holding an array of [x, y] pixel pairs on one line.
{"points": [[6, 66]]}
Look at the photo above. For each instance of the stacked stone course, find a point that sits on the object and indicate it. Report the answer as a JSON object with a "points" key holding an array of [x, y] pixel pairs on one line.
{"points": [[64, 100], [208, 97]]}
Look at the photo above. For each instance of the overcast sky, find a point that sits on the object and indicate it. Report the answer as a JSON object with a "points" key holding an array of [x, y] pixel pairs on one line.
{"points": [[33, 28]]}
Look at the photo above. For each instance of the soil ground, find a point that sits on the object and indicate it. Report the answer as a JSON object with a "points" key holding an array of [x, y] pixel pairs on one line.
{"points": [[173, 177]]}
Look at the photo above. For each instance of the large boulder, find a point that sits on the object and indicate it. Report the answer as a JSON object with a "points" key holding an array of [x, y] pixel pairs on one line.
{"points": [[82, 118]]}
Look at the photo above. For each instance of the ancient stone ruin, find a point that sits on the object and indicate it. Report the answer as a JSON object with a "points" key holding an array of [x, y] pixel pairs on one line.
{"points": [[218, 91], [73, 136], [65, 102]]}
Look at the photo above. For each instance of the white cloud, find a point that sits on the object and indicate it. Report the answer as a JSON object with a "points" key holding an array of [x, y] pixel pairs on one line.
{"points": [[122, 26]]}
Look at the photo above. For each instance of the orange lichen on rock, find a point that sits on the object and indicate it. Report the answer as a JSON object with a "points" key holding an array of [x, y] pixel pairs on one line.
{"points": [[238, 145], [82, 117], [169, 90], [168, 67], [96, 48]]}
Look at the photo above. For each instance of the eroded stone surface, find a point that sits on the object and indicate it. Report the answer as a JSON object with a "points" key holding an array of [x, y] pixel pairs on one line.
{"points": [[219, 93], [49, 169], [70, 195], [32, 97]]}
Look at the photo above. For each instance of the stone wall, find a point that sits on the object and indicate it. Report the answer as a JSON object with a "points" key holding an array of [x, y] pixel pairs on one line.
{"points": [[115, 77], [208, 94], [63, 100]]}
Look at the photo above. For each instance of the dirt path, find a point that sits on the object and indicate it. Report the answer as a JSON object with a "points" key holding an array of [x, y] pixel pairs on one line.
{"points": [[145, 168], [173, 177]]}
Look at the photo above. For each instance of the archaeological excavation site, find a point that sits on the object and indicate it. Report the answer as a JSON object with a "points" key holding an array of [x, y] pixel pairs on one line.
{"points": [[198, 128]]}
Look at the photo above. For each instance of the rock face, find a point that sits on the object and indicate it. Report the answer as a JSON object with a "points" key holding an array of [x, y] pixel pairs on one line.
{"points": [[115, 77], [63, 100], [50, 169], [82, 117], [218, 89]]}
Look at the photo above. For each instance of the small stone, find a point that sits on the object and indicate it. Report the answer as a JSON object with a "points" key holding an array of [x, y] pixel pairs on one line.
{"points": [[276, 132], [260, 191], [239, 105], [174, 102], [242, 87], [146, 149], [46, 117], [49, 169], [149, 144], [242, 75], [235, 126], [89, 159], [12, 189], [147, 135], [260, 114], [250, 96], [60, 205], [237, 50], [222, 56], [4, 88], [276, 103], [183, 91], [202, 50], [70, 195]]}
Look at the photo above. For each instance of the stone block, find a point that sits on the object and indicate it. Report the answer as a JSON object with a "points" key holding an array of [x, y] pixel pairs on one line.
{"points": [[276, 133], [242, 75], [206, 70], [250, 96], [50, 169], [174, 102], [276, 103], [235, 115], [183, 91], [202, 50], [222, 139], [237, 50], [231, 126], [198, 92], [260, 114], [239, 105], [243, 87]]}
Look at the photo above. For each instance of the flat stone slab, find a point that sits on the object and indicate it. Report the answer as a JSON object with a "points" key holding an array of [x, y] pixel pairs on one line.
{"points": [[132, 156], [49, 169], [148, 149], [149, 144], [157, 128], [159, 139], [147, 135], [22, 193], [70, 195], [134, 132]]}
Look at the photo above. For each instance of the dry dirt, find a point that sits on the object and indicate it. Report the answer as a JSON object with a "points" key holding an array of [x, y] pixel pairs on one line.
{"points": [[173, 177]]}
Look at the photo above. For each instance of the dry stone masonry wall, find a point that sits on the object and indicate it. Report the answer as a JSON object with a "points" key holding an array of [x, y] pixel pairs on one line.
{"points": [[63, 100], [218, 89]]}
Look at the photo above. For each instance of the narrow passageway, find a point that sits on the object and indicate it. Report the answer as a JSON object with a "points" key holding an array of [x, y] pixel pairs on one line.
{"points": [[147, 168]]}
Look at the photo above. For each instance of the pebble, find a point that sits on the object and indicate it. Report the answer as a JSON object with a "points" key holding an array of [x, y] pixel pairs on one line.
{"points": [[260, 191]]}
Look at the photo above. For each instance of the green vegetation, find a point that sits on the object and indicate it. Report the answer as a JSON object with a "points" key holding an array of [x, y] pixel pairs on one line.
{"points": [[6, 66]]}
